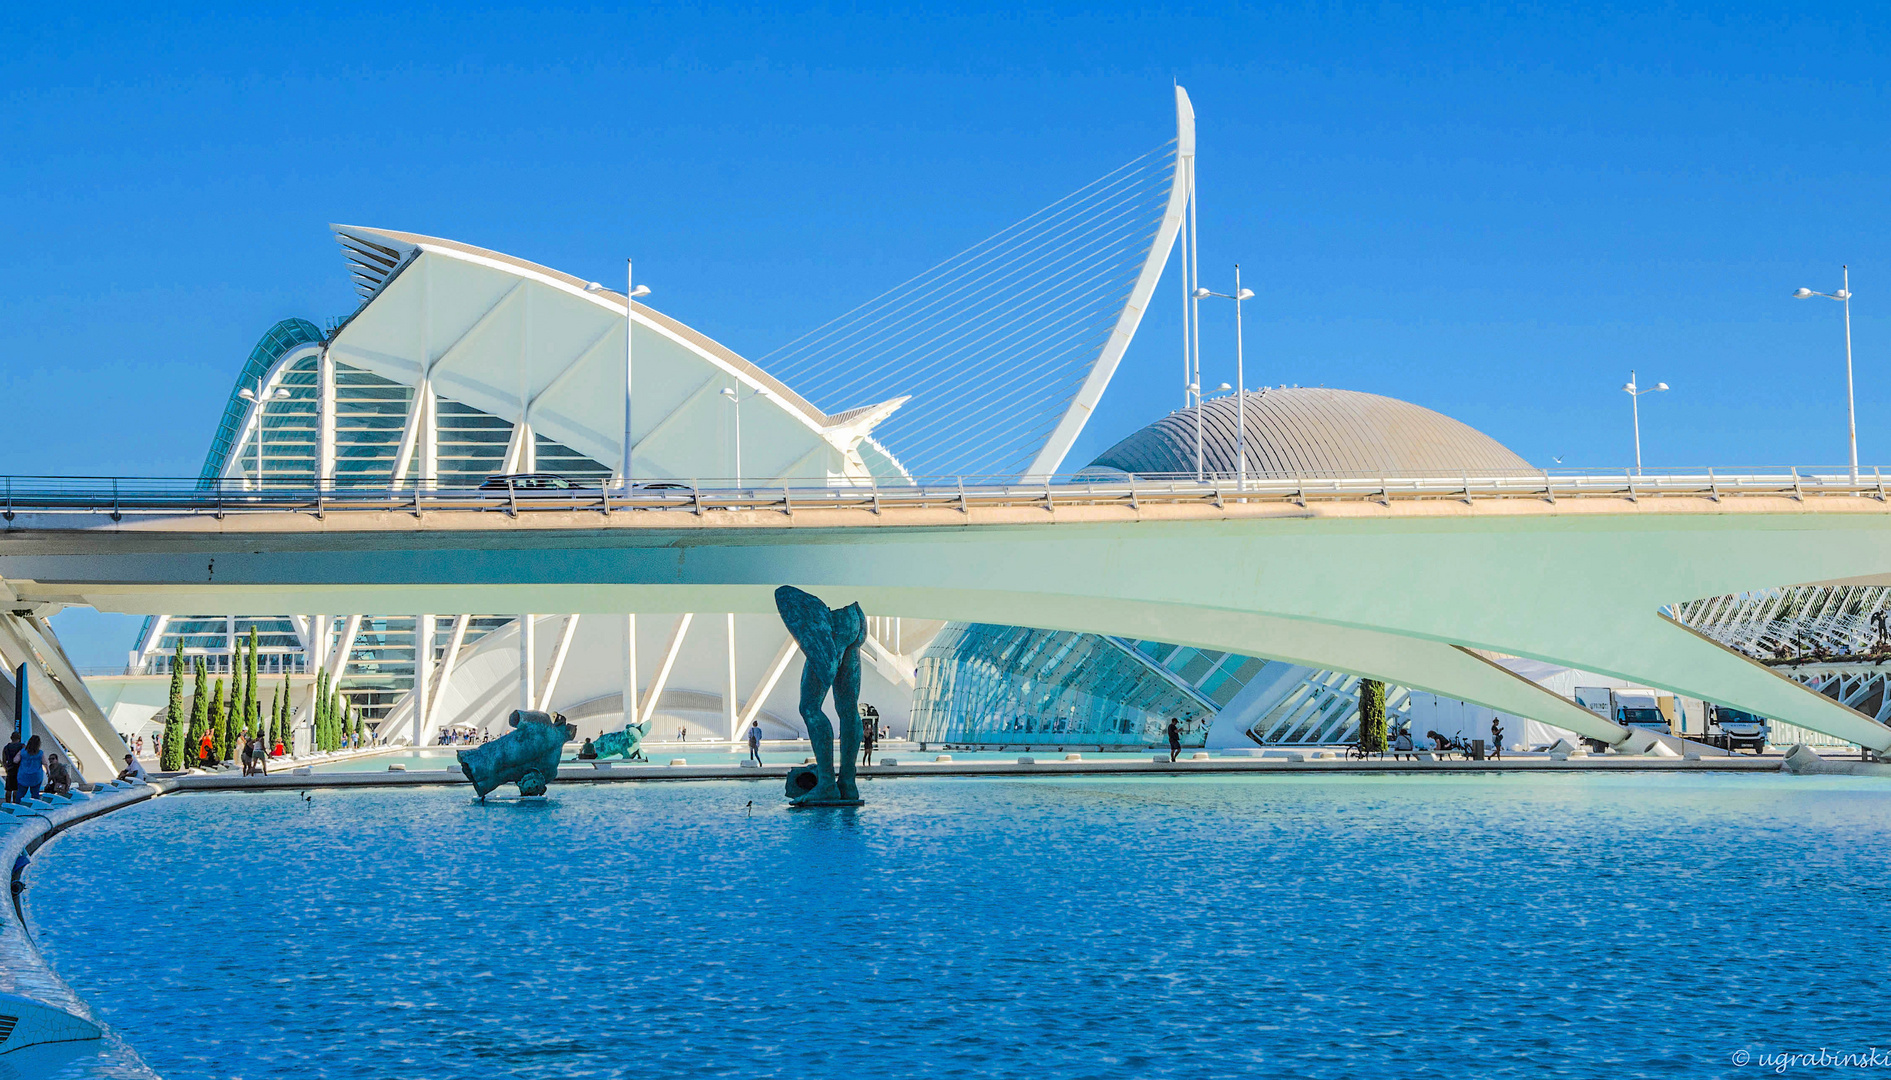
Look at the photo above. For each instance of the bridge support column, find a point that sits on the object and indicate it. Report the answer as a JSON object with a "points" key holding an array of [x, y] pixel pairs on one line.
{"points": [[423, 678], [728, 693], [630, 668], [528, 663], [64, 706]]}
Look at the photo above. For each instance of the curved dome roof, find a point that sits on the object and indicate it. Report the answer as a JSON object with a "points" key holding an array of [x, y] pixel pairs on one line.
{"points": [[1313, 431]]}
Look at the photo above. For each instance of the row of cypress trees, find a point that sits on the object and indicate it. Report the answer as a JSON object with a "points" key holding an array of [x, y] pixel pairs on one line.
{"points": [[228, 719], [338, 722]]}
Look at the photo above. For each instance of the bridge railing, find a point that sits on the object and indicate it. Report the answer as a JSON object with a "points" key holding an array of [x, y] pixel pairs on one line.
{"points": [[147, 497]]}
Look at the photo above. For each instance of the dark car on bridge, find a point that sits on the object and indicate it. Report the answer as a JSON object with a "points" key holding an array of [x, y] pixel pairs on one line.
{"points": [[528, 483], [554, 484]]}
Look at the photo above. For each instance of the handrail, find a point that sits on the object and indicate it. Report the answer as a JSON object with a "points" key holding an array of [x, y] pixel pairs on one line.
{"points": [[122, 498]]}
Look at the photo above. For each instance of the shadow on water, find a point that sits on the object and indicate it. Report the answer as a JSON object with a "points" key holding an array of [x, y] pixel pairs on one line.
{"points": [[41, 1061]]}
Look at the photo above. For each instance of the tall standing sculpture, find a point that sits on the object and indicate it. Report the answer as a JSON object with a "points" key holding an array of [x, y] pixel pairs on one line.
{"points": [[830, 640]]}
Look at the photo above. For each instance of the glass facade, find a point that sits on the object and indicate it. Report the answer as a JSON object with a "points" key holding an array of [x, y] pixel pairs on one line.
{"points": [[371, 414], [472, 444], [989, 685], [983, 685], [280, 339]]}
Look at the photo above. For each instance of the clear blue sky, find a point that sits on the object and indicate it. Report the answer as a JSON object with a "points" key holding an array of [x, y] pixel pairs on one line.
{"points": [[1492, 214]]}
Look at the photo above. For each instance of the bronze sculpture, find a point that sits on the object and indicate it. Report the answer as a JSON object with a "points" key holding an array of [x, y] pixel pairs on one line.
{"points": [[830, 640]]}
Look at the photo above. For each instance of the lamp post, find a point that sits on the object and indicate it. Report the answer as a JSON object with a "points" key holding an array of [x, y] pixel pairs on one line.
{"points": [[1195, 391], [1843, 296], [258, 398], [1240, 378], [1635, 395], [735, 399], [631, 292]]}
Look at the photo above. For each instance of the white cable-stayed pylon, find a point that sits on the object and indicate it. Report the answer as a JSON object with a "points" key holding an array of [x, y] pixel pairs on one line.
{"points": [[1005, 347]]}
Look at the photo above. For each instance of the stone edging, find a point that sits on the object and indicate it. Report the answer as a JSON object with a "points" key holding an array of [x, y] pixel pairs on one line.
{"points": [[24, 972]]}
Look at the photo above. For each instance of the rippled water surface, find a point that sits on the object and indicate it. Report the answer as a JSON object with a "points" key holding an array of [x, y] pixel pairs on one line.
{"points": [[1444, 926]]}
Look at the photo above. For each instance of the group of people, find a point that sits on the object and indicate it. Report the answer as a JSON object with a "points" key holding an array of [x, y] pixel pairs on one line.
{"points": [[254, 753], [31, 771], [255, 756], [1404, 746], [872, 730]]}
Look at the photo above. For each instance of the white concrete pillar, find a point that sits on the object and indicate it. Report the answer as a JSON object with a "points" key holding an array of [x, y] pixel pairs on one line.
{"points": [[630, 668], [559, 651], [429, 436], [451, 658], [325, 418], [528, 663], [728, 695], [423, 679]]}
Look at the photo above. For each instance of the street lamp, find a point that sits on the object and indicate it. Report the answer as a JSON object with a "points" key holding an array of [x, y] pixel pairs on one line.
{"points": [[1635, 394], [259, 399], [1240, 378], [631, 292], [1843, 296], [735, 399], [1195, 391]]}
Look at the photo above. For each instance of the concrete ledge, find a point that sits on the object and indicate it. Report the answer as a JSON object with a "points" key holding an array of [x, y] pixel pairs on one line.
{"points": [[1293, 763], [54, 1020]]}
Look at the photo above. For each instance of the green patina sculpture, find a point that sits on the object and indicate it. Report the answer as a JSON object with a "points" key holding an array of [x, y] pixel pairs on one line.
{"points": [[527, 755], [627, 743], [830, 641]]}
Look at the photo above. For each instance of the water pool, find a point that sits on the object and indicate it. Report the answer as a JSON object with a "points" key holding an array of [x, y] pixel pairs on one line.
{"points": [[444, 757], [1566, 925]]}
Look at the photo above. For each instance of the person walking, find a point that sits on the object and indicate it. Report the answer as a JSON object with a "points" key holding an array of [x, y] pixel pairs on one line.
{"points": [[32, 770], [1496, 740], [755, 741], [206, 749], [247, 755], [10, 757], [1175, 739], [869, 734]]}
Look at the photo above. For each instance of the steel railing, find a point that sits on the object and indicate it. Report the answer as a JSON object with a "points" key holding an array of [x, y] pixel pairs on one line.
{"points": [[120, 496]]}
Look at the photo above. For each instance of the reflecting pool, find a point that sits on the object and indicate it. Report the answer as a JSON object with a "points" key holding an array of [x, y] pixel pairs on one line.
{"points": [[1480, 925]]}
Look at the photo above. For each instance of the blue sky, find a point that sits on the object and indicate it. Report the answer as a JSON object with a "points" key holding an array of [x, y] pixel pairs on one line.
{"points": [[1493, 213]]}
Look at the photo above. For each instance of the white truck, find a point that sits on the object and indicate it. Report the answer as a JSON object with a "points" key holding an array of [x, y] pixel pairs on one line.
{"points": [[1732, 729], [1632, 707]]}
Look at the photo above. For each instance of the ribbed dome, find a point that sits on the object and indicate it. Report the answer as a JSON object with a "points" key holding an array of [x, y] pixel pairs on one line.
{"points": [[1305, 431]]}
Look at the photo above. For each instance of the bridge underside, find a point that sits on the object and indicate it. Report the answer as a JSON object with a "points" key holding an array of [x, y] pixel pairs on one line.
{"points": [[1399, 593]]}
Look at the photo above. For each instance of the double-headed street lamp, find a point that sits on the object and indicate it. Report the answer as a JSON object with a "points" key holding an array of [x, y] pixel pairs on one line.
{"points": [[631, 292], [259, 398], [1635, 394], [1843, 296], [1240, 380], [735, 399]]}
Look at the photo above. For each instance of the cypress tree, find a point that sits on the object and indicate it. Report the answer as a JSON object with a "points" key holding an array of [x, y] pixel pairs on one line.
{"points": [[252, 709], [1372, 716], [233, 708], [171, 755], [219, 724], [199, 713], [275, 721], [318, 731]]}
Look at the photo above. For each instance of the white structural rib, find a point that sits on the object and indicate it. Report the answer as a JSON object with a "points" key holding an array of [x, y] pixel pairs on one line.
{"points": [[1051, 457]]}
